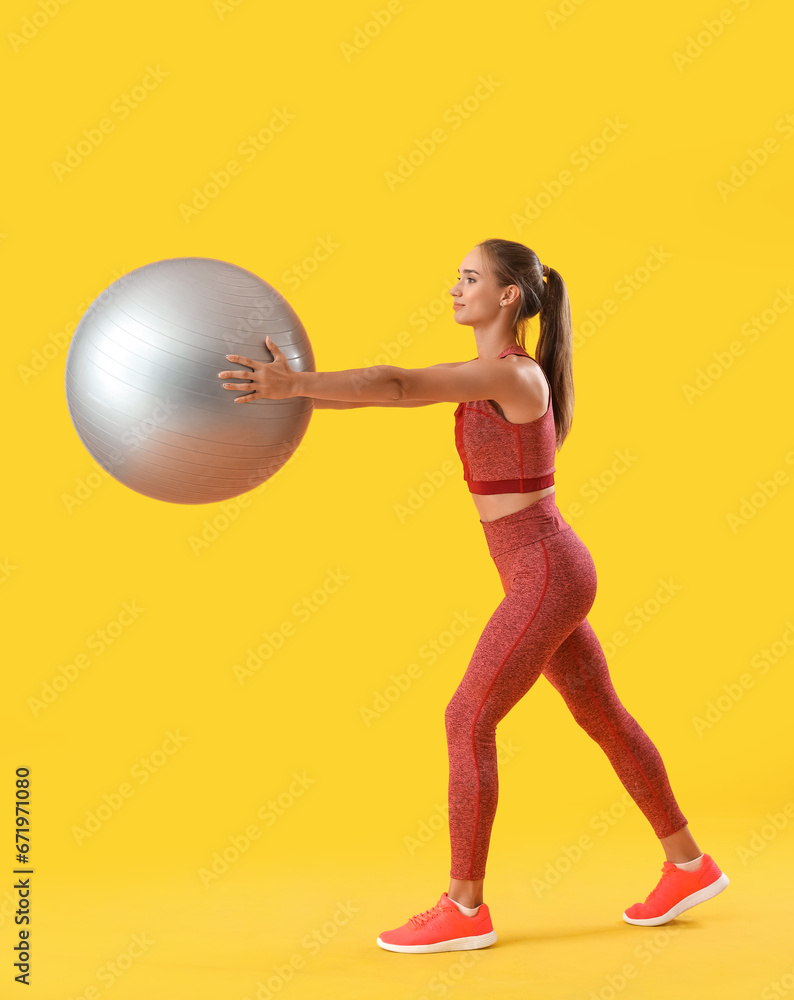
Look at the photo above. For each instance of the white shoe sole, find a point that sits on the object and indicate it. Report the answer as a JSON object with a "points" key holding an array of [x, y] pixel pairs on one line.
{"points": [[683, 904], [456, 944]]}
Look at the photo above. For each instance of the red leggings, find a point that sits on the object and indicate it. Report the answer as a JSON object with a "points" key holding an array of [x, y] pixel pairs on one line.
{"points": [[540, 626]]}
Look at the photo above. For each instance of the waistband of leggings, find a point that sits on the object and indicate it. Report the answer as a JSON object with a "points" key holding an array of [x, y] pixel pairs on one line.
{"points": [[524, 526]]}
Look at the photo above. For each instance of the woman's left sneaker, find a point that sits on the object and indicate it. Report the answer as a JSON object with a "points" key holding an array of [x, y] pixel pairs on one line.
{"points": [[441, 928], [676, 891]]}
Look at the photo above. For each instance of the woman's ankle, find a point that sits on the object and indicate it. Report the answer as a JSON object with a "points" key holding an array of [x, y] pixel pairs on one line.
{"points": [[467, 892]]}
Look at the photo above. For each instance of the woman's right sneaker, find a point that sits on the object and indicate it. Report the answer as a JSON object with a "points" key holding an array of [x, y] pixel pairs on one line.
{"points": [[441, 928]]}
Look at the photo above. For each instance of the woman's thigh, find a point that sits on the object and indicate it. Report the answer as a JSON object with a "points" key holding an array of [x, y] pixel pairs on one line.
{"points": [[549, 588]]}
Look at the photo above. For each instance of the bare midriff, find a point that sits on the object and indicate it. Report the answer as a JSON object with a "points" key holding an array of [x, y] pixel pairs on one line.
{"points": [[493, 505]]}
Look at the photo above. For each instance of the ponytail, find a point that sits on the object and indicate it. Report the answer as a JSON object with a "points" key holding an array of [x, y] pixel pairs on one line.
{"points": [[554, 351]]}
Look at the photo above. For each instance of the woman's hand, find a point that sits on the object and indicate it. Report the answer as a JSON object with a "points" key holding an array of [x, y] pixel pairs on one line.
{"points": [[269, 379]]}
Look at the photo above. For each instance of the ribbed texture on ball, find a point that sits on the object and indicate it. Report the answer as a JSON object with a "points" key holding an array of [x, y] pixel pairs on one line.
{"points": [[142, 382]]}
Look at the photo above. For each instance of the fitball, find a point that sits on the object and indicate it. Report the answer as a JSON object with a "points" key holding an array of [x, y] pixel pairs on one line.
{"points": [[142, 382]]}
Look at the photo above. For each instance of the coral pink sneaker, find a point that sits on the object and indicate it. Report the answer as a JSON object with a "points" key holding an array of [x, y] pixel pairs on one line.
{"points": [[442, 928], [676, 891]]}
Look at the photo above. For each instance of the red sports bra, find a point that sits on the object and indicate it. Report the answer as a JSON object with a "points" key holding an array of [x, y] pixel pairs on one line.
{"points": [[499, 456]]}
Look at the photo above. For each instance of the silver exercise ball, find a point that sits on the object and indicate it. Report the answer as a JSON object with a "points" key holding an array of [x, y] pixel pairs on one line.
{"points": [[142, 382]]}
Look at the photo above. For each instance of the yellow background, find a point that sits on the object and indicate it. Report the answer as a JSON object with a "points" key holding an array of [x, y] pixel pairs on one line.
{"points": [[366, 832]]}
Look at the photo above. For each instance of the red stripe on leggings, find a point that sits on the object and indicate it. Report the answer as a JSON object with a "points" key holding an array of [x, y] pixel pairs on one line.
{"points": [[485, 696]]}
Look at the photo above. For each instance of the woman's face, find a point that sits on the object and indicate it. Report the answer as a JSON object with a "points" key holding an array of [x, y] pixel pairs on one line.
{"points": [[475, 296]]}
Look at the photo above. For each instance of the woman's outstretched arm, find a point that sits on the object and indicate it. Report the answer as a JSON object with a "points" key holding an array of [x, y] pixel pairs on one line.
{"points": [[378, 384], [480, 378], [343, 404]]}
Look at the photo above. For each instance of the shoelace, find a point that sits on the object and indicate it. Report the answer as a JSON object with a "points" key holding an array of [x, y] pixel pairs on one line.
{"points": [[421, 918], [666, 873]]}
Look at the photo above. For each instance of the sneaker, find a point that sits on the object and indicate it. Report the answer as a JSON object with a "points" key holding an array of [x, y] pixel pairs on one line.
{"points": [[676, 891], [442, 928]]}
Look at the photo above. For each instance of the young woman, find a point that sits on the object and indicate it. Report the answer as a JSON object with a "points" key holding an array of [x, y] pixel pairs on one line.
{"points": [[514, 412]]}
